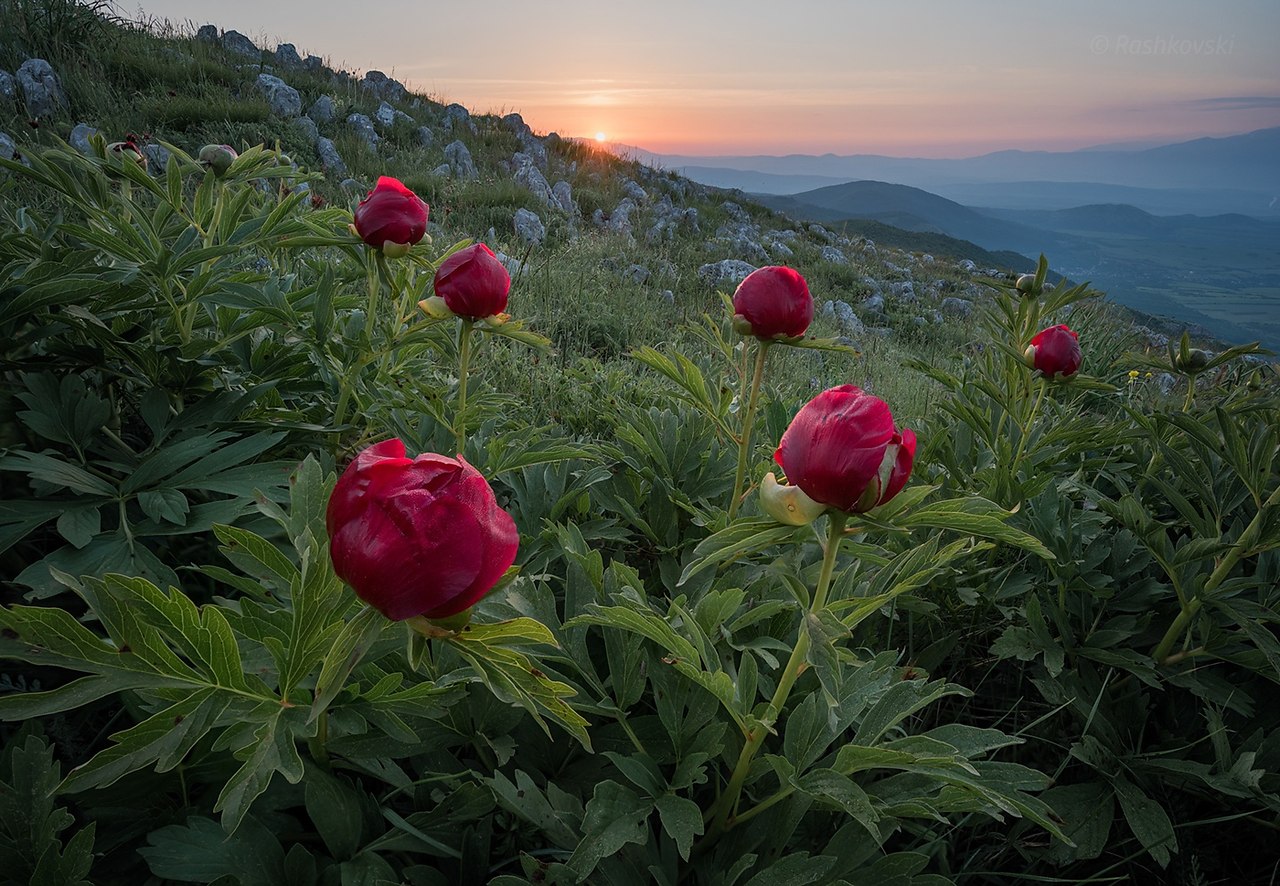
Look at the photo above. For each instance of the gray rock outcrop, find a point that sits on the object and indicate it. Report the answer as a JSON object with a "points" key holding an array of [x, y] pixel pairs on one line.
{"points": [[363, 127], [287, 56], [283, 99], [459, 159], [322, 110], [384, 87], [529, 227], [425, 137], [330, 160], [79, 138], [234, 41], [157, 158], [457, 118], [41, 90], [729, 271]]}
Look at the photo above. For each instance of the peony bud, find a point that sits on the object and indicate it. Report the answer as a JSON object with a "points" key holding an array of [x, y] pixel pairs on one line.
{"points": [[127, 150], [1027, 285], [391, 218], [843, 450], [417, 536], [1054, 352], [788, 504], [473, 283], [773, 302], [1194, 360], [218, 158]]}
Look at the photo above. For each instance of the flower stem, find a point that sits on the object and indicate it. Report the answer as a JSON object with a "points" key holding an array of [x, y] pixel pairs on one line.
{"points": [[1191, 394], [748, 420], [464, 363], [723, 812], [1026, 432], [1189, 610]]}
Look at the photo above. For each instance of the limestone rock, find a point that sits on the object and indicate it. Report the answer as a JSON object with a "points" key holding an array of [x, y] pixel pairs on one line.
{"points": [[308, 128], [283, 98], [41, 89], [207, 34], [460, 162], [833, 255], [7, 148], [730, 271], [330, 160], [287, 56], [529, 227], [516, 124], [847, 321], [8, 89], [562, 193], [364, 128], [386, 88], [322, 110], [531, 177], [426, 138], [633, 190], [387, 115], [157, 158], [234, 41], [80, 136], [456, 117], [957, 307]]}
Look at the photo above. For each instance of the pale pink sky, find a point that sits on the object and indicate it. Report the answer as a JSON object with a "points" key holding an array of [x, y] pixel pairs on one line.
{"points": [[918, 77]]}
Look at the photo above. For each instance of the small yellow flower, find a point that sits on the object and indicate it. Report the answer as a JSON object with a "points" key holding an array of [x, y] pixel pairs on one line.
{"points": [[1133, 373], [1148, 375]]}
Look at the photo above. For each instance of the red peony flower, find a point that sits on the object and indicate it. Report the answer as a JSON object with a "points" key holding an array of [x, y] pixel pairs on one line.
{"points": [[391, 218], [773, 302], [473, 283], [1055, 351], [417, 536], [843, 450]]}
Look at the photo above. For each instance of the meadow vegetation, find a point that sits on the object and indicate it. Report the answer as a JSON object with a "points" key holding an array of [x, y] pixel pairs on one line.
{"points": [[1052, 657]]}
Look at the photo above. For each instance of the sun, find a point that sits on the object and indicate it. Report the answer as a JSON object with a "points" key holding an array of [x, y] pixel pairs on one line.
{"points": [[601, 137]]}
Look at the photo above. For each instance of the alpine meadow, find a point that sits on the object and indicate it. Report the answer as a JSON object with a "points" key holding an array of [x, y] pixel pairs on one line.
{"points": [[396, 494]]}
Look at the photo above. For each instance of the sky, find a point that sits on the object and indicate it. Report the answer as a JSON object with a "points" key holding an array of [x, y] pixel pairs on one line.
{"points": [[923, 78]]}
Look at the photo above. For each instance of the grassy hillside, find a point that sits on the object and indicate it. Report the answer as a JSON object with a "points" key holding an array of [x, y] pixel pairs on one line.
{"points": [[687, 608]]}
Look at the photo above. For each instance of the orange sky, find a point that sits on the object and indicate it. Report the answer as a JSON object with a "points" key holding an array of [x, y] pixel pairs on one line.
{"points": [[920, 77]]}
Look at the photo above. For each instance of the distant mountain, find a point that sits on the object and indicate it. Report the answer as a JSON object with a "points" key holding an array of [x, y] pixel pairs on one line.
{"points": [[914, 210], [1219, 271], [1244, 164]]}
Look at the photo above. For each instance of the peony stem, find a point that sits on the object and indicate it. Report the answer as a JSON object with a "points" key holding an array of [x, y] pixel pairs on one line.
{"points": [[464, 363], [1191, 394], [723, 812], [748, 419], [1026, 432], [1247, 539]]}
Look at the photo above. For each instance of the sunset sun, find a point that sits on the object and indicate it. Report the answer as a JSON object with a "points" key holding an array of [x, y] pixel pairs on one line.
{"points": [[600, 137]]}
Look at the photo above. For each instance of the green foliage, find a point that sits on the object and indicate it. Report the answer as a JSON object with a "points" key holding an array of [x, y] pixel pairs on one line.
{"points": [[1050, 657]]}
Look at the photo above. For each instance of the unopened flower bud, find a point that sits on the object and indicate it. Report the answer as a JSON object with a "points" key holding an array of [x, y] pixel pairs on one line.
{"points": [[127, 150], [218, 158], [1027, 285], [1192, 361]]}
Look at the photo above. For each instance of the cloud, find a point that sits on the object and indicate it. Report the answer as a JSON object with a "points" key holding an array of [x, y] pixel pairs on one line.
{"points": [[1235, 103]]}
